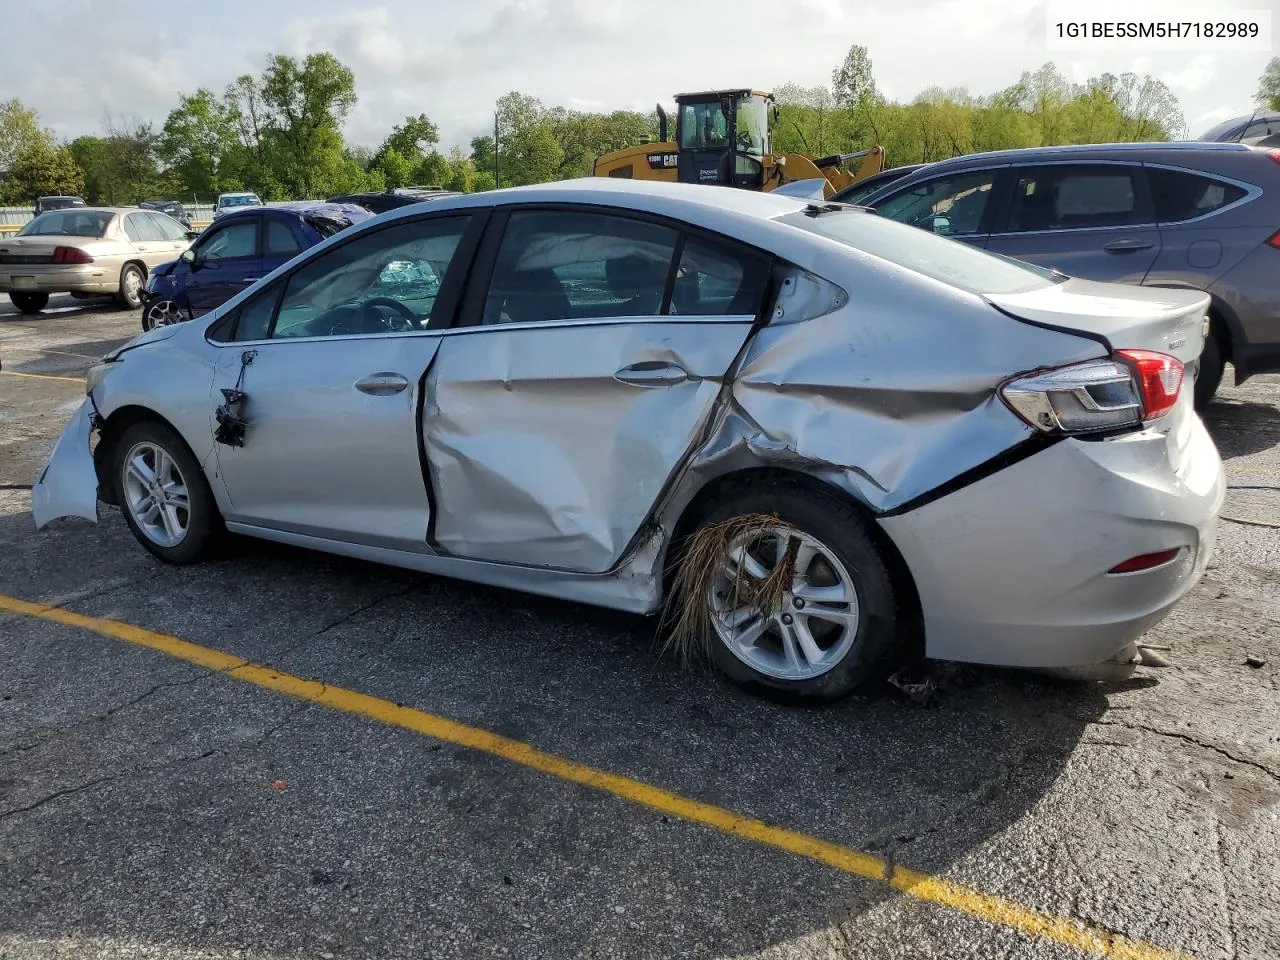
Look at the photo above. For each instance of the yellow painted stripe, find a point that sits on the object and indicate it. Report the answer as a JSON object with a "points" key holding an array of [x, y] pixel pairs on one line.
{"points": [[919, 886], [42, 376]]}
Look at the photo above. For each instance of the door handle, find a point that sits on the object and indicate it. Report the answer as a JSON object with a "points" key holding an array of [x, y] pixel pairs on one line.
{"points": [[381, 384], [248, 280], [1127, 245], [652, 373]]}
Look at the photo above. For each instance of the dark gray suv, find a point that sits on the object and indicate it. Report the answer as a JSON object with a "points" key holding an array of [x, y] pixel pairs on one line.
{"points": [[1190, 214]]}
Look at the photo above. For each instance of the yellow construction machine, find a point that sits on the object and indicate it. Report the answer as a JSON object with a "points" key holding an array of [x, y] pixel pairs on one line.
{"points": [[725, 137]]}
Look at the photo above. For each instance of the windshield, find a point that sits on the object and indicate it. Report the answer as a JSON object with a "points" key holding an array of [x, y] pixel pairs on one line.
{"points": [[703, 126], [68, 223], [753, 126], [949, 261], [238, 201]]}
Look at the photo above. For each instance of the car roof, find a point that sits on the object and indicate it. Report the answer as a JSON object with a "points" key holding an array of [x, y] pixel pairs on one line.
{"points": [[1183, 149], [299, 208], [88, 209]]}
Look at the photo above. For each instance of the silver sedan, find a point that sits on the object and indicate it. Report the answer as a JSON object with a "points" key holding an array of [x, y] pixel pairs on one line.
{"points": [[807, 435]]}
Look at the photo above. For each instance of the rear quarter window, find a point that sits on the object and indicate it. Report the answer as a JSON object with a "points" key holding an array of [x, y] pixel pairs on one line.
{"points": [[1179, 195]]}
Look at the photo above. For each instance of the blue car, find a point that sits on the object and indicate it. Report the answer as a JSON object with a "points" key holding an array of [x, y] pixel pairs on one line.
{"points": [[237, 250]]}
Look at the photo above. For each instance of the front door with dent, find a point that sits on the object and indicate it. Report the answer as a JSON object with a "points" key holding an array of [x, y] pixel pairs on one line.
{"points": [[337, 351], [593, 358]]}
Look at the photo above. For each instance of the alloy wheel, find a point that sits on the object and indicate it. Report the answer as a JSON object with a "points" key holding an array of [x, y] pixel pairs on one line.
{"points": [[155, 494]]}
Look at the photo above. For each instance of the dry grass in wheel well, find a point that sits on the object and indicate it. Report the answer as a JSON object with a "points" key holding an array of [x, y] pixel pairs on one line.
{"points": [[686, 622]]}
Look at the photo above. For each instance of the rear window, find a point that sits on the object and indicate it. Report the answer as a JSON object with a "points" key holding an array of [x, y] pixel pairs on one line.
{"points": [[68, 223], [949, 261], [1179, 195]]}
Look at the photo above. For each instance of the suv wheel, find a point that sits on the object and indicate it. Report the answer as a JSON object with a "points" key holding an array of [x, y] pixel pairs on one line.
{"points": [[1210, 375]]}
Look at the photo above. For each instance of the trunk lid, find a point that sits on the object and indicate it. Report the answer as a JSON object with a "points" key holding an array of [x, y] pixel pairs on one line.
{"points": [[1164, 319], [39, 249]]}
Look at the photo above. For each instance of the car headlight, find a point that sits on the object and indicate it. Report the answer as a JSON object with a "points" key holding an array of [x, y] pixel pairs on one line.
{"points": [[96, 375]]}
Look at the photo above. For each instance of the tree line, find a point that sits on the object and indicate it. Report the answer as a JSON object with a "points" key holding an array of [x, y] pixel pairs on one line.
{"points": [[280, 133]]}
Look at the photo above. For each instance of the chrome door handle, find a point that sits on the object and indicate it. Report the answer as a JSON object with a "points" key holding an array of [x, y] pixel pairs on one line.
{"points": [[1127, 245], [248, 279], [652, 373], [381, 384]]}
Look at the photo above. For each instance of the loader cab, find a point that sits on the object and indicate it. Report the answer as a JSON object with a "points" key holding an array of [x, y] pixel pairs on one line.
{"points": [[723, 137]]}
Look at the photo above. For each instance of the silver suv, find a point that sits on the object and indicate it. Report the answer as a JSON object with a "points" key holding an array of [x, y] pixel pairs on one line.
{"points": [[1191, 214]]}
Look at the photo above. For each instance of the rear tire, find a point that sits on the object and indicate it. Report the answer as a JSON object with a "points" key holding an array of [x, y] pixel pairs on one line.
{"points": [[838, 624], [1209, 378], [29, 302], [175, 517], [132, 283]]}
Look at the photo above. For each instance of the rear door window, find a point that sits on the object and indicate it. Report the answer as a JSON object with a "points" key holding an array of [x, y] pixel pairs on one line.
{"points": [[139, 228], [280, 239], [717, 279], [1179, 195], [1076, 196], [564, 264], [950, 206], [168, 228]]}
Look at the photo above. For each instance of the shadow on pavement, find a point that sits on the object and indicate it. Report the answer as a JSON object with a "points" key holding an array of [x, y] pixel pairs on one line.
{"points": [[386, 843]]}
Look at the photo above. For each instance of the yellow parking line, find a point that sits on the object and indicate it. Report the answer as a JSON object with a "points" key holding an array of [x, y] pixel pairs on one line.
{"points": [[919, 886], [41, 376]]}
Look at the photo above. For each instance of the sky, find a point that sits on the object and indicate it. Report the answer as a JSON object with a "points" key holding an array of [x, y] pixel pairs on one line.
{"points": [[83, 60]]}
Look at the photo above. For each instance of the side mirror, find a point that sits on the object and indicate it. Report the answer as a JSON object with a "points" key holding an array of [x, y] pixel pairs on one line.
{"points": [[942, 226], [188, 256], [192, 234]]}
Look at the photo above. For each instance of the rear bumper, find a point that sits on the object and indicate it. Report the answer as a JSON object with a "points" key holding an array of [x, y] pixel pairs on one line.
{"points": [[1011, 570], [39, 278]]}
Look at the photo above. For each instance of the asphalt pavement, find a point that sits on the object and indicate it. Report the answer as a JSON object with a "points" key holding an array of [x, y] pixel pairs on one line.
{"points": [[151, 807]]}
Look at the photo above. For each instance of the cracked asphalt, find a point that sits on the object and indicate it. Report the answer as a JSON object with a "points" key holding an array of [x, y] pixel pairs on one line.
{"points": [[151, 808]]}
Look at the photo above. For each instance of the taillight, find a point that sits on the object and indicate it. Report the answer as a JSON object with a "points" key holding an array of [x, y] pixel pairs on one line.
{"points": [[1274, 240], [1159, 378], [1146, 561], [70, 255], [1274, 155], [1135, 386]]}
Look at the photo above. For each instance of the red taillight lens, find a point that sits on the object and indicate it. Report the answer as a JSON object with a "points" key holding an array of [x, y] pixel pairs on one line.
{"points": [[70, 255], [1274, 155], [1145, 561], [1274, 240], [1159, 378]]}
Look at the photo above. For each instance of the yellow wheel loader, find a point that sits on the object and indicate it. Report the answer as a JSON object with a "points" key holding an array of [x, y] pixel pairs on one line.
{"points": [[725, 137]]}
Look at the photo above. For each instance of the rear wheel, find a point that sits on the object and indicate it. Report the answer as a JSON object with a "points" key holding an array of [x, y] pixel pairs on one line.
{"points": [[131, 284], [799, 599], [1209, 378], [29, 302], [166, 500]]}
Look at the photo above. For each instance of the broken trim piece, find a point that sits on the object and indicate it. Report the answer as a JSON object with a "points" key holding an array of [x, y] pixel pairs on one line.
{"points": [[231, 420]]}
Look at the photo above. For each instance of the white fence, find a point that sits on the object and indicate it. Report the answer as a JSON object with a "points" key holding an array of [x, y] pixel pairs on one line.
{"points": [[17, 216]]}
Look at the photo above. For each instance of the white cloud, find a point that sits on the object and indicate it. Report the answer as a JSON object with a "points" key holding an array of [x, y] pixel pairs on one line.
{"points": [[453, 61]]}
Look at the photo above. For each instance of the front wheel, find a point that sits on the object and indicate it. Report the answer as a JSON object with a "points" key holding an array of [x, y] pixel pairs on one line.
{"points": [[796, 596], [131, 287], [166, 500], [29, 302], [159, 313]]}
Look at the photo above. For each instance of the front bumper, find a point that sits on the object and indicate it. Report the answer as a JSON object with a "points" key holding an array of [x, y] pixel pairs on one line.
{"points": [[39, 278], [68, 484], [1011, 570]]}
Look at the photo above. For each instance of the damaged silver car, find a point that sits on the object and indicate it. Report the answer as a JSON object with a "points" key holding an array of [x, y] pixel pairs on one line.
{"points": [[811, 434]]}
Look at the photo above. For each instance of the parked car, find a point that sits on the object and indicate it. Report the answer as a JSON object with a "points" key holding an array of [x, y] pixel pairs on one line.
{"points": [[857, 192], [45, 204], [1254, 129], [87, 251], [825, 426], [231, 201], [392, 199], [1196, 215], [241, 247], [172, 208]]}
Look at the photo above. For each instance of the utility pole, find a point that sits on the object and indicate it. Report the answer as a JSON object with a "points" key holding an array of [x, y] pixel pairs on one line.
{"points": [[497, 181]]}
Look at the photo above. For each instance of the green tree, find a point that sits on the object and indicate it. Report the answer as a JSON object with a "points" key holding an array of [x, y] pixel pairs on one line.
{"points": [[20, 130], [1268, 94], [91, 156], [482, 156], [199, 142], [852, 83], [41, 169], [304, 105], [528, 151]]}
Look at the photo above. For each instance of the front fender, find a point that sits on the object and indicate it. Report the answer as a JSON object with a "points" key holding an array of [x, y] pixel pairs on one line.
{"points": [[68, 484]]}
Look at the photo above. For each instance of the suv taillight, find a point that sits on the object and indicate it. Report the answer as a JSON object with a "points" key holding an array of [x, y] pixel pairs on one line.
{"points": [[1274, 155], [70, 255], [1125, 391]]}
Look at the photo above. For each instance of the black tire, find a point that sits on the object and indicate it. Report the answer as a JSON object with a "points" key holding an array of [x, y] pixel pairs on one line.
{"points": [[841, 528], [204, 523], [1209, 377], [29, 302], [127, 300]]}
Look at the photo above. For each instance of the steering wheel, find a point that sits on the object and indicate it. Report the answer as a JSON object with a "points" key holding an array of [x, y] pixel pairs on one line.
{"points": [[408, 320]]}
